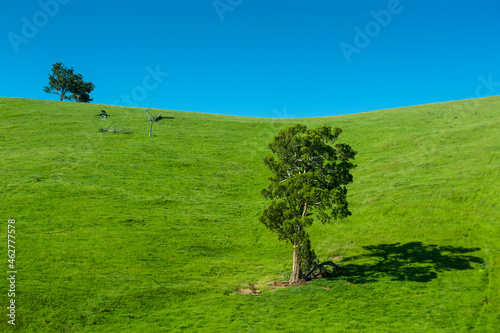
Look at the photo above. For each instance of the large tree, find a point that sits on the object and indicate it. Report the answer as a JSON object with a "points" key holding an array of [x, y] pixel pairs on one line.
{"points": [[310, 171], [64, 81]]}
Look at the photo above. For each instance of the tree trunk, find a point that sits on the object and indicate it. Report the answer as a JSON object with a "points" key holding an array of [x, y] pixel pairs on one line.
{"points": [[150, 127], [62, 96], [295, 277]]}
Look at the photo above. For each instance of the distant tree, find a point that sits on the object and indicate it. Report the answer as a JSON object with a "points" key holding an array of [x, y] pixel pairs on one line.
{"points": [[151, 119], [309, 177], [81, 90], [63, 81]]}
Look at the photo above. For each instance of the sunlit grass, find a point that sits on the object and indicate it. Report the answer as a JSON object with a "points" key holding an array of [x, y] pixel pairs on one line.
{"points": [[133, 233]]}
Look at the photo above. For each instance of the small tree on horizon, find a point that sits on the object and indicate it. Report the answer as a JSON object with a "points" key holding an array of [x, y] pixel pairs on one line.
{"points": [[81, 90], [151, 119], [63, 81], [309, 178]]}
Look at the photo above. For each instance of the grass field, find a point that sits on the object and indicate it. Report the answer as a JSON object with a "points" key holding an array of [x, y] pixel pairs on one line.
{"points": [[130, 233]]}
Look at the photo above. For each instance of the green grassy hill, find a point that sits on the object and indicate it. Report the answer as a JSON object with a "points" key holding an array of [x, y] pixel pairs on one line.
{"points": [[130, 233]]}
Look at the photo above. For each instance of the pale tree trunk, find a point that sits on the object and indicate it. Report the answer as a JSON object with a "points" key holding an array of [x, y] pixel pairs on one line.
{"points": [[295, 277], [151, 118]]}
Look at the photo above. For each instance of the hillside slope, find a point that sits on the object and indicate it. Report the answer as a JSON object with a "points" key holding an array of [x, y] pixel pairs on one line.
{"points": [[125, 232]]}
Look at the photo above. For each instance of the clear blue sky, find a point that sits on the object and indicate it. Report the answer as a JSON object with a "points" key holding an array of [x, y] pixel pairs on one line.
{"points": [[262, 58]]}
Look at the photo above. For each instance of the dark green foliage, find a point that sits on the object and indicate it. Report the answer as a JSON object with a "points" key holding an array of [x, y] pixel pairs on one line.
{"points": [[309, 177], [65, 81], [81, 90]]}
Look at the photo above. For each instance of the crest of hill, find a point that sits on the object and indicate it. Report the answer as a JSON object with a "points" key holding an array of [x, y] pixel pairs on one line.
{"points": [[166, 227]]}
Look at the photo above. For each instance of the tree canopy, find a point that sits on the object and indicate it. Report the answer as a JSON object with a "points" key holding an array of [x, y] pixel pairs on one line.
{"points": [[64, 81], [310, 172]]}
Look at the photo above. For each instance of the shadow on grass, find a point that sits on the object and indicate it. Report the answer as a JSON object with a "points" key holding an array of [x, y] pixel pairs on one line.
{"points": [[407, 262]]}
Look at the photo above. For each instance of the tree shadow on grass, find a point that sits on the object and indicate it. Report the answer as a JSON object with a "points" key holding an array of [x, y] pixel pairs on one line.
{"points": [[407, 262]]}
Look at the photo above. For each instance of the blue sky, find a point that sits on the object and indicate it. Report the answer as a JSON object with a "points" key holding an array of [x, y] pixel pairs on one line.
{"points": [[261, 58]]}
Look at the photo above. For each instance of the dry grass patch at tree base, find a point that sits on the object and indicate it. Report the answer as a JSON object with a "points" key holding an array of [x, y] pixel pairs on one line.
{"points": [[246, 291], [285, 284]]}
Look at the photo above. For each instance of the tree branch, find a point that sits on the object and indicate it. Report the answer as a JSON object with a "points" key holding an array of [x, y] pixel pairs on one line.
{"points": [[305, 210]]}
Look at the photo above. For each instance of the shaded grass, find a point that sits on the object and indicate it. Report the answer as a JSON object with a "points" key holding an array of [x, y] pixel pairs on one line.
{"points": [[130, 233]]}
